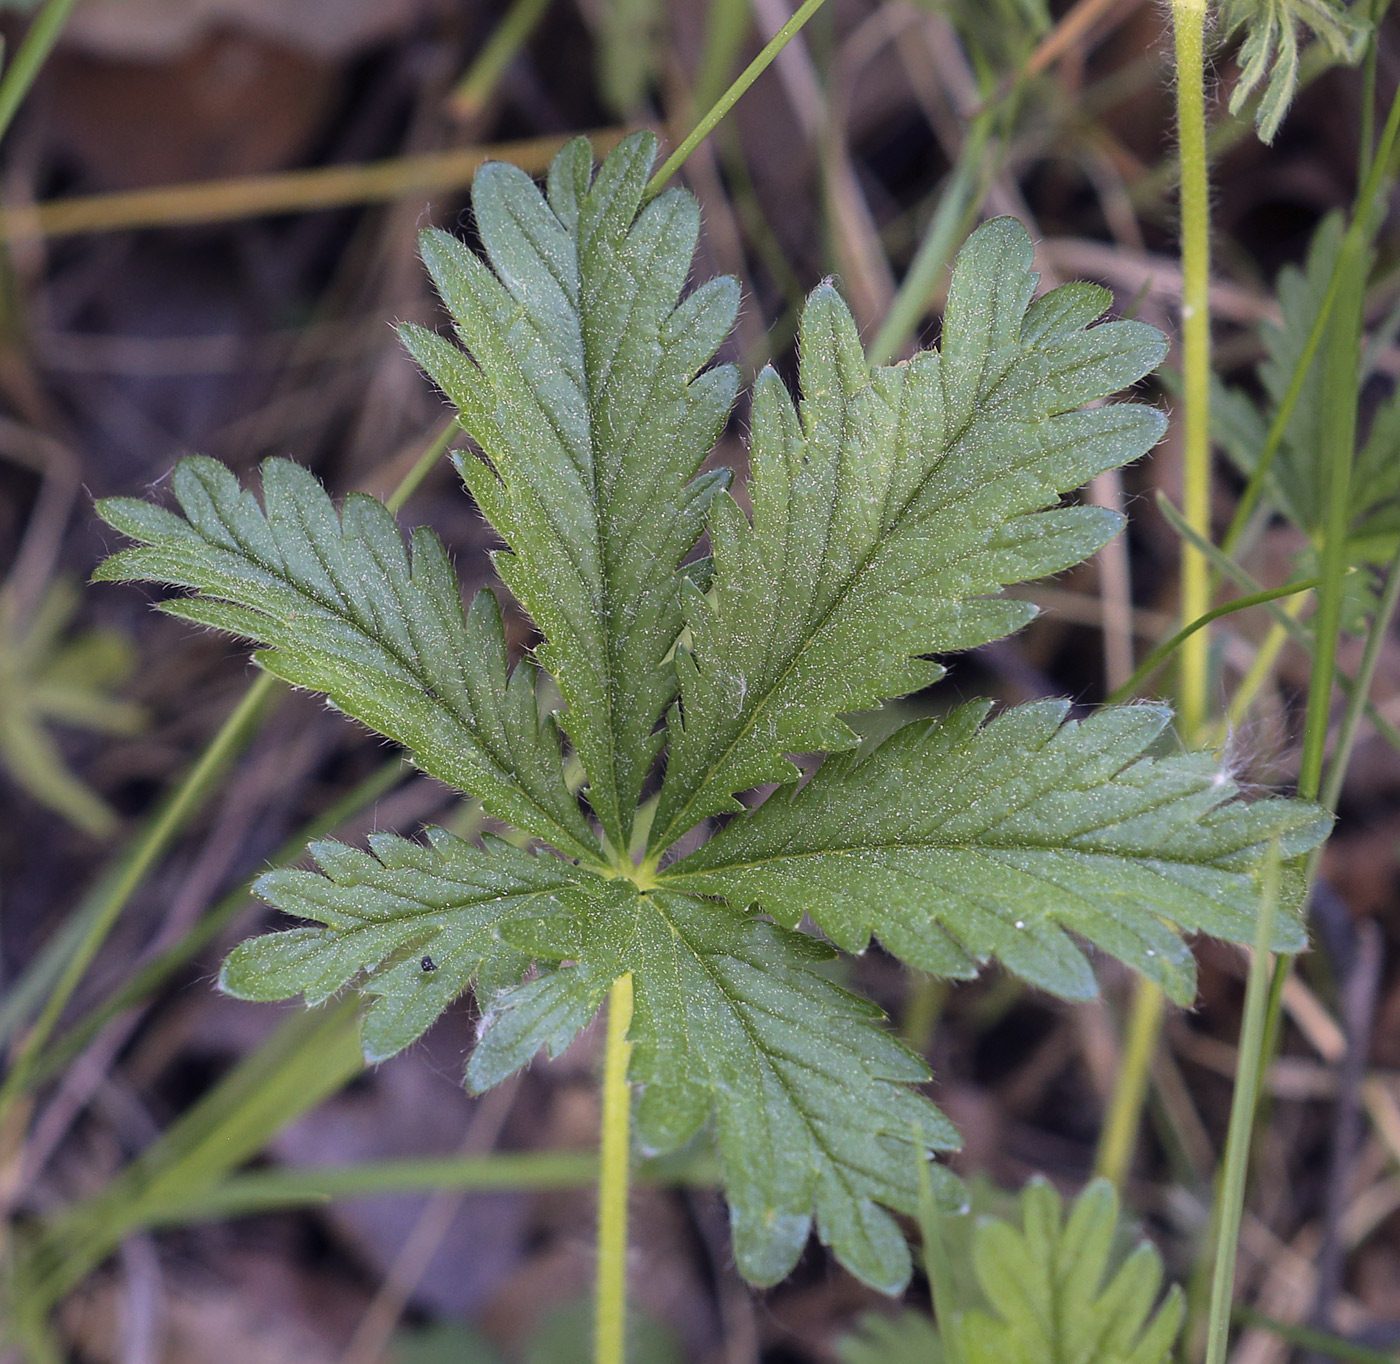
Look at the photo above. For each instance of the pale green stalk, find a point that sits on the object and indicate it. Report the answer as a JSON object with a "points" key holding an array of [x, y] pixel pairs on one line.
{"points": [[1188, 22], [38, 42], [731, 97], [470, 95], [1164, 651], [1247, 1078], [1124, 1114], [1121, 1122], [614, 1158]]}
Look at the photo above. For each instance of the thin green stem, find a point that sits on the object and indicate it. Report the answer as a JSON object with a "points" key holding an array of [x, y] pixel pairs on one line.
{"points": [[1242, 1108], [1365, 676], [1188, 22], [731, 97], [408, 484], [470, 95], [1124, 1114], [937, 1267], [610, 1321], [1340, 366], [38, 42], [1164, 651], [233, 735]]}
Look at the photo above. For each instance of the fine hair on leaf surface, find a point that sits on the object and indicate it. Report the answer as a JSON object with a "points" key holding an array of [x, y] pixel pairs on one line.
{"points": [[890, 507]]}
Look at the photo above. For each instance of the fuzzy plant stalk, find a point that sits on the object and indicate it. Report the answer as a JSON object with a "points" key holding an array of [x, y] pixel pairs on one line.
{"points": [[889, 508], [1144, 1028], [614, 1166], [1188, 27]]}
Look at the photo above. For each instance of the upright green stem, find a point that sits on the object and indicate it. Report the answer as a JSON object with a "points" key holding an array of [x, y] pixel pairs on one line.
{"points": [[1232, 1187], [610, 1322], [1340, 364], [1188, 19], [1188, 23], [188, 796], [730, 98], [38, 43], [1120, 1125]]}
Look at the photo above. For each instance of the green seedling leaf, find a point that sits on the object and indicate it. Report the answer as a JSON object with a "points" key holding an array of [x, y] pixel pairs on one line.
{"points": [[51, 676], [889, 507], [1053, 1298], [1051, 1290], [345, 610], [959, 841]]}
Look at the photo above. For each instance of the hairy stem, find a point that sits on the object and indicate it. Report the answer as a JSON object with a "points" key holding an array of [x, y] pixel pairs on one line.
{"points": [[610, 1321], [1188, 20], [1188, 23]]}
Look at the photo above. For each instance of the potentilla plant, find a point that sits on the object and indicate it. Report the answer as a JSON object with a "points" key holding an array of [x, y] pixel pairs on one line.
{"points": [[889, 507]]}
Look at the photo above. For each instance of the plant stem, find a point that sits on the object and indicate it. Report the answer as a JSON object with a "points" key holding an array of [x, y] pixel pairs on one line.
{"points": [[187, 797], [1188, 22], [730, 98], [471, 94], [1120, 1126], [1164, 651], [610, 1321], [38, 42], [1242, 1107]]}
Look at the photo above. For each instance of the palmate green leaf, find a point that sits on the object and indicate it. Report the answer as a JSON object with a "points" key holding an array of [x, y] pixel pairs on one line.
{"points": [[582, 384], [345, 611], [810, 1096], [957, 842], [1041, 1289], [1053, 1298], [887, 506]]}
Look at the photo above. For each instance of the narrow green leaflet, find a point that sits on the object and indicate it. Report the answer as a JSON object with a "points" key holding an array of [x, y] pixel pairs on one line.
{"points": [[582, 385], [1054, 1298], [1268, 56], [811, 1099], [414, 924], [345, 611], [888, 506], [960, 841]]}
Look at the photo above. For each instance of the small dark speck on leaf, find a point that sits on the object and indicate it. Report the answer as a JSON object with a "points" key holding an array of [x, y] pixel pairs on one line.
{"points": [[428, 964]]}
